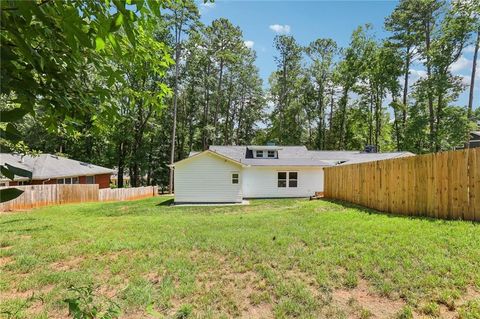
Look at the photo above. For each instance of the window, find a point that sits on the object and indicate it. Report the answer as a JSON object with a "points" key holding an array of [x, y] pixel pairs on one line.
{"points": [[22, 183], [90, 180], [68, 180], [282, 179], [292, 179], [271, 154], [235, 178], [259, 153], [287, 178]]}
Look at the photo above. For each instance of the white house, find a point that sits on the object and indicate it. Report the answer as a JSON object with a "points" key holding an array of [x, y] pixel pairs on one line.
{"points": [[228, 174]]}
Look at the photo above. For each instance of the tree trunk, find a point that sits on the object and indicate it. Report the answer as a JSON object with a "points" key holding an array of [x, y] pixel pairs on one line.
{"points": [[343, 121], [219, 101], [472, 79], [120, 164], [429, 85], [178, 33]]}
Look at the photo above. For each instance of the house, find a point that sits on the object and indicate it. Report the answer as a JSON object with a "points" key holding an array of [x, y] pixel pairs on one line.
{"points": [[52, 169], [126, 179], [228, 174], [474, 140]]}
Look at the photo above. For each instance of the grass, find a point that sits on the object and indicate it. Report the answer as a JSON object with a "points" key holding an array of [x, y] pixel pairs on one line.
{"points": [[274, 258]]}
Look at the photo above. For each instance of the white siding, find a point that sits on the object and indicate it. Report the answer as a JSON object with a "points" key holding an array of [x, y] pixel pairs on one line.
{"points": [[207, 178], [262, 182]]}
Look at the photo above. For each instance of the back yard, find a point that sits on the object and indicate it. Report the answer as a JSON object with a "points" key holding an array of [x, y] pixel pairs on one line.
{"points": [[274, 258]]}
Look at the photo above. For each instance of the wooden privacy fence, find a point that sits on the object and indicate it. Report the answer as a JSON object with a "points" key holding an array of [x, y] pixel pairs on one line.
{"points": [[44, 195], [118, 194], [441, 185]]}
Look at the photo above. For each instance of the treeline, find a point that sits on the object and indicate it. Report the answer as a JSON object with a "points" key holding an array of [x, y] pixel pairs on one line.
{"points": [[163, 86], [345, 98], [142, 85]]}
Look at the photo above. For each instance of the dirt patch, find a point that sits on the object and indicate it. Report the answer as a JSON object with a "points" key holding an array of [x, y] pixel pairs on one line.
{"points": [[361, 298], [452, 312], [69, 264], [5, 261], [28, 294], [263, 311]]}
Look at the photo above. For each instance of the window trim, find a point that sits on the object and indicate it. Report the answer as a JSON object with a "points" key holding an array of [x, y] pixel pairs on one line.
{"points": [[287, 179]]}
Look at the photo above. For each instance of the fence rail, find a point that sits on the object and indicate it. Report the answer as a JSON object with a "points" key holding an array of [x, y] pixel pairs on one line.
{"points": [[441, 185], [44, 195]]}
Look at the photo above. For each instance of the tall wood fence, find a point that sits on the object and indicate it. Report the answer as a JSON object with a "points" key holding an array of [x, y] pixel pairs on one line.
{"points": [[119, 194], [441, 185], [44, 195]]}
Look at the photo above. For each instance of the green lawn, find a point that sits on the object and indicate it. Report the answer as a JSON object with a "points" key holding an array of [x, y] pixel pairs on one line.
{"points": [[273, 258]]}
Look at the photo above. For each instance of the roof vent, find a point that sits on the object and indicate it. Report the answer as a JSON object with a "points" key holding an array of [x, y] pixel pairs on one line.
{"points": [[370, 149], [85, 164], [270, 143]]}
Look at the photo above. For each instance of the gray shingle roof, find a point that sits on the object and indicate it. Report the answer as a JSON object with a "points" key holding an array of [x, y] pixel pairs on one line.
{"points": [[301, 156], [47, 166]]}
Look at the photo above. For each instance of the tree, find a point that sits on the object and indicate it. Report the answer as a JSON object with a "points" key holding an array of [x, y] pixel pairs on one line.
{"points": [[321, 52], [183, 15], [285, 90], [42, 52]]}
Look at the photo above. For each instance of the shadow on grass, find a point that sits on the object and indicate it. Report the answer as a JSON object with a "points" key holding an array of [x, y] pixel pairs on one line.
{"points": [[371, 211], [17, 220], [168, 202], [28, 230]]}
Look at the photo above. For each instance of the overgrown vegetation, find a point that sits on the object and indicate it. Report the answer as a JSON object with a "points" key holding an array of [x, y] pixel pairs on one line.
{"points": [[274, 258]]}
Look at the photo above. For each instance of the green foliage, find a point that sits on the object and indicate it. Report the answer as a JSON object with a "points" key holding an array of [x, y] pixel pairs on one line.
{"points": [[83, 304]]}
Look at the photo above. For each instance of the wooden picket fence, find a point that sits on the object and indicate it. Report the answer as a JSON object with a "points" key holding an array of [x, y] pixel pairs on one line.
{"points": [[440, 185], [44, 195]]}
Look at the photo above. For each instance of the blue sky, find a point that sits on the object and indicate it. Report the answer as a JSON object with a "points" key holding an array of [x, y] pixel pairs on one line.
{"points": [[260, 21]]}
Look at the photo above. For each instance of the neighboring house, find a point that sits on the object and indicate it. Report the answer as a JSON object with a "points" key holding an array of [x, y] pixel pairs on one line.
{"points": [[126, 179], [228, 174], [52, 169], [474, 140]]}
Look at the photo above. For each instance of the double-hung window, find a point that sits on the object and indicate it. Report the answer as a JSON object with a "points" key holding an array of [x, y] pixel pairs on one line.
{"points": [[89, 179], [235, 178], [282, 179], [271, 154], [287, 179], [259, 153], [292, 179]]}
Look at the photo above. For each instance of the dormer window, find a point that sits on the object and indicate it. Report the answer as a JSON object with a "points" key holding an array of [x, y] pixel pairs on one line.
{"points": [[266, 151]]}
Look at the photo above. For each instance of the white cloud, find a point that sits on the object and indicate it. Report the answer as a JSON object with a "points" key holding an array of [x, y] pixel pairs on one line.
{"points": [[249, 44], [461, 64], [416, 75], [208, 4], [279, 28]]}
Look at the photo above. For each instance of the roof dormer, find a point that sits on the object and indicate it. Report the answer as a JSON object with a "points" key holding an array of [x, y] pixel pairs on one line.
{"points": [[268, 151]]}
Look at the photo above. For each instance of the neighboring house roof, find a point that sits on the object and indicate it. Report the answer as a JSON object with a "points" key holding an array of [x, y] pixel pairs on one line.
{"points": [[47, 166], [299, 156]]}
